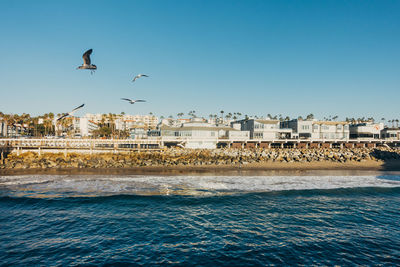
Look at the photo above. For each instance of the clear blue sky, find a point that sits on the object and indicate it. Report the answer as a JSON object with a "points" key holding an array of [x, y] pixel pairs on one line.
{"points": [[256, 57]]}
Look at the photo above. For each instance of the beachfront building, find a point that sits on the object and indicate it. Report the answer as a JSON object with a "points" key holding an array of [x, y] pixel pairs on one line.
{"points": [[138, 132], [191, 136], [301, 128], [391, 133], [198, 133], [261, 129], [313, 129], [330, 130], [366, 130]]}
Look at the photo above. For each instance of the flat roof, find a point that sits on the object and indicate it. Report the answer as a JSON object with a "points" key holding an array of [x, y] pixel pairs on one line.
{"points": [[267, 121], [197, 128]]}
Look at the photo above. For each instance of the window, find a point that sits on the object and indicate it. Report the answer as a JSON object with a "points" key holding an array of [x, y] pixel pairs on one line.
{"points": [[305, 127], [258, 135]]}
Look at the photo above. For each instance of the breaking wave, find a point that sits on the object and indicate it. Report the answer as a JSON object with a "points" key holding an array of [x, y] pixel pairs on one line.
{"points": [[106, 185]]}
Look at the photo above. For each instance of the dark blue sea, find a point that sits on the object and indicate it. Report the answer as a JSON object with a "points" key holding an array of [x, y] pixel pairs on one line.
{"points": [[62, 220]]}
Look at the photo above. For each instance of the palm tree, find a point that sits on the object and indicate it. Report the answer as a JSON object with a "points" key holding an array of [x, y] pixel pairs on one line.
{"points": [[310, 117], [192, 113]]}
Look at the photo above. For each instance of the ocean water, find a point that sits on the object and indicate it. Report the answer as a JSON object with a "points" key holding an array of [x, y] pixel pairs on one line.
{"points": [[200, 220]]}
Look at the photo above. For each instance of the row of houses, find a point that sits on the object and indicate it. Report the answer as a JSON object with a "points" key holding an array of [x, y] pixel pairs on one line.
{"points": [[198, 133]]}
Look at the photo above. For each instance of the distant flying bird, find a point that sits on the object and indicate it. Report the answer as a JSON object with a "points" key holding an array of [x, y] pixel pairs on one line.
{"points": [[139, 76], [70, 113], [133, 101], [86, 62]]}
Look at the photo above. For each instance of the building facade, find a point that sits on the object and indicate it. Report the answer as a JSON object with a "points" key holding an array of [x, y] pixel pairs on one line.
{"points": [[366, 130], [390, 133], [260, 129], [312, 129]]}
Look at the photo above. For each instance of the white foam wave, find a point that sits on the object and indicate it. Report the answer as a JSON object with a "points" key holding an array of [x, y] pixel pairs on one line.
{"points": [[186, 185]]}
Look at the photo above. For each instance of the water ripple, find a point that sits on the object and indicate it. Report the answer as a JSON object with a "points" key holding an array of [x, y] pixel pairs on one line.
{"points": [[338, 224]]}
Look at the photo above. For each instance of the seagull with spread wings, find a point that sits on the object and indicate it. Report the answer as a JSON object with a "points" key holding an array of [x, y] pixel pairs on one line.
{"points": [[133, 101], [70, 113], [87, 63], [139, 76]]}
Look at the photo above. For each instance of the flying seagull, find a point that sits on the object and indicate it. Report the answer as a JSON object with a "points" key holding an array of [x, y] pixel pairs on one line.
{"points": [[133, 101], [86, 62], [70, 113], [139, 76]]}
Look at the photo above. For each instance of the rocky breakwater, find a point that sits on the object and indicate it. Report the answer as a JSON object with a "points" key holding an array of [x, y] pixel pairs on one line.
{"points": [[190, 157]]}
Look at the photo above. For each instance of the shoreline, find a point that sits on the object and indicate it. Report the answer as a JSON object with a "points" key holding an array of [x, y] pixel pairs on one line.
{"points": [[265, 168]]}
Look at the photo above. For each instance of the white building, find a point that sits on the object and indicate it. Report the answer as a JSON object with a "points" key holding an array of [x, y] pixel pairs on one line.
{"points": [[313, 129], [366, 130], [261, 129], [86, 127], [330, 130], [200, 134], [391, 133], [191, 136]]}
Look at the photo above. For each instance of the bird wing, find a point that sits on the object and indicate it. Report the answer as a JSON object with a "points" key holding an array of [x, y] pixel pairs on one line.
{"points": [[144, 75], [127, 99], [134, 79], [139, 100], [86, 57], [77, 108], [63, 116]]}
